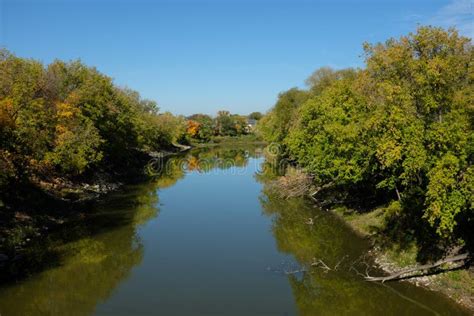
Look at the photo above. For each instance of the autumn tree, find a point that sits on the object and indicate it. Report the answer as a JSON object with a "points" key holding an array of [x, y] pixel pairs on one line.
{"points": [[192, 128], [67, 118], [206, 126]]}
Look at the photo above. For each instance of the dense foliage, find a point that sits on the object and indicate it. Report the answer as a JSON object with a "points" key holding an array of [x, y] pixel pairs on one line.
{"points": [[69, 119], [403, 125]]}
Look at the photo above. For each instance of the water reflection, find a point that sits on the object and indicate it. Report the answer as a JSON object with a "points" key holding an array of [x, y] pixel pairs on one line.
{"points": [[207, 159], [330, 257], [91, 258], [209, 252], [83, 263]]}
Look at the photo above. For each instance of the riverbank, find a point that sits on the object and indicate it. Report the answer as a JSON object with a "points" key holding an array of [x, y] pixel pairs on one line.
{"points": [[391, 253], [259, 237], [250, 139], [456, 284], [34, 209]]}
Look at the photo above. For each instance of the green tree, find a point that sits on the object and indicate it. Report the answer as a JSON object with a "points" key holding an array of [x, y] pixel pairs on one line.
{"points": [[67, 118], [402, 125], [255, 116], [421, 95], [277, 123], [206, 126]]}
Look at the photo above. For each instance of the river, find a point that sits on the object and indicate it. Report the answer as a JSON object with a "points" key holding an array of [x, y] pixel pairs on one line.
{"points": [[207, 238]]}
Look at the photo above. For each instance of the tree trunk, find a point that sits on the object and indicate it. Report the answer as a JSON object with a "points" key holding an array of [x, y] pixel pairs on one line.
{"points": [[399, 274]]}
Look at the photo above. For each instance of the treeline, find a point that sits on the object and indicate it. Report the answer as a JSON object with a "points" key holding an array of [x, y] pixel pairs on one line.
{"points": [[69, 120], [203, 127], [401, 127]]}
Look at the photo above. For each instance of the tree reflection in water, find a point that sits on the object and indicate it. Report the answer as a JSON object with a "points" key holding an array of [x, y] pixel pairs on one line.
{"points": [[310, 234], [89, 259]]}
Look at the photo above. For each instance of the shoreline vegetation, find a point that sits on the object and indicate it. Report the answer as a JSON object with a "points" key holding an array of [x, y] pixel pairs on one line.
{"points": [[451, 278], [388, 148], [231, 140], [69, 135]]}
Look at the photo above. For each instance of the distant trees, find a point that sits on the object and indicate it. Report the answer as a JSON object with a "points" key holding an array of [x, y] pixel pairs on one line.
{"points": [[203, 127], [255, 116], [225, 124], [70, 118], [403, 124]]}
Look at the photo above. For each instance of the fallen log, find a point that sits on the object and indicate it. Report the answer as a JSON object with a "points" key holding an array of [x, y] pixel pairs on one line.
{"points": [[400, 274]]}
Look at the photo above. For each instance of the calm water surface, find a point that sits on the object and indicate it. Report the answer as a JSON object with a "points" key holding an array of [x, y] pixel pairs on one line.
{"points": [[206, 238]]}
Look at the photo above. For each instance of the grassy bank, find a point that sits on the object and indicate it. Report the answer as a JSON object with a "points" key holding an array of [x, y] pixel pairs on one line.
{"points": [[391, 257], [394, 244]]}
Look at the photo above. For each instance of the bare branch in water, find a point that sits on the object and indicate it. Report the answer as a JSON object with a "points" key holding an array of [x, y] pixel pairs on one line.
{"points": [[402, 274]]}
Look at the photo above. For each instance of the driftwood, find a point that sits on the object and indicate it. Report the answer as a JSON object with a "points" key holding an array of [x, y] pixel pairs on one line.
{"points": [[294, 183], [321, 264], [400, 274], [318, 263]]}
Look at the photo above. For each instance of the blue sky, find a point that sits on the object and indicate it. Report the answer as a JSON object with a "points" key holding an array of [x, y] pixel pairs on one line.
{"points": [[204, 56]]}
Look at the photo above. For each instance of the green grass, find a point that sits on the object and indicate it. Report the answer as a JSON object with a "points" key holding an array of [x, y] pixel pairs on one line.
{"points": [[364, 223], [458, 284], [402, 257]]}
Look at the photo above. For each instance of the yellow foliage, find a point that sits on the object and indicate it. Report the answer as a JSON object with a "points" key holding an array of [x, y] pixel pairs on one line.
{"points": [[67, 115], [192, 128], [389, 152], [66, 110], [61, 129]]}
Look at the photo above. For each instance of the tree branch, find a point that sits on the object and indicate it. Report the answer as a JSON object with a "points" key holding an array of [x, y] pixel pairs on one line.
{"points": [[399, 275]]}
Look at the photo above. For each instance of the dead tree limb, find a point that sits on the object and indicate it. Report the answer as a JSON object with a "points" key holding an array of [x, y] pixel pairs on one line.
{"points": [[400, 274], [320, 263], [339, 263]]}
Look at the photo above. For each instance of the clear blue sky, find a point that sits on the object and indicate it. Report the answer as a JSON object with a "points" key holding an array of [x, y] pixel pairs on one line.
{"points": [[203, 56]]}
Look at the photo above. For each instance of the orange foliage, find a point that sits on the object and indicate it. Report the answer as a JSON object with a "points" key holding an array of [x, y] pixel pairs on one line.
{"points": [[6, 111], [192, 128], [193, 163]]}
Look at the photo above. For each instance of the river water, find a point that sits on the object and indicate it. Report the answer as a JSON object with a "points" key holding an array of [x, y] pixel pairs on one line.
{"points": [[207, 238]]}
